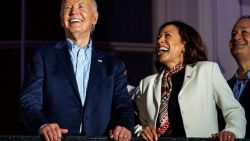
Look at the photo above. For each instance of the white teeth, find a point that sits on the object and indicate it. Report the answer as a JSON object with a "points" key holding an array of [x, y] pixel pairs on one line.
{"points": [[239, 45], [75, 20], [163, 50]]}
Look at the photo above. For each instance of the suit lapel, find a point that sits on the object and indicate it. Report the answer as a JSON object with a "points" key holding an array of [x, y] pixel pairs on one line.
{"points": [[63, 56], [245, 93], [157, 89], [189, 70], [97, 62], [232, 81]]}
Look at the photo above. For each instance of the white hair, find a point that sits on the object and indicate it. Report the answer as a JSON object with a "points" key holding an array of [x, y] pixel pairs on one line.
{"points": [[95, 6]]}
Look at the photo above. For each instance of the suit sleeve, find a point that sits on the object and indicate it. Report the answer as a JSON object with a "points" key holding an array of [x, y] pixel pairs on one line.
{"points": [[30, 101], [233, 112], [124, 112]]}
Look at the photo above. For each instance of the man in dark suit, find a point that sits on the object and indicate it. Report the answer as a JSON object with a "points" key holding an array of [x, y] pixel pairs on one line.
{"points": [[72, 88], [240, 50]]}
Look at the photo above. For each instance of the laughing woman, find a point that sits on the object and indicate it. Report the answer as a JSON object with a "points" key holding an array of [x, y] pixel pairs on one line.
{"points": [[180, 100]]}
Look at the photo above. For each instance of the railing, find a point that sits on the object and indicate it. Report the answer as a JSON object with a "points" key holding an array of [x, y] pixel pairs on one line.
{"points": [[79, 138]]}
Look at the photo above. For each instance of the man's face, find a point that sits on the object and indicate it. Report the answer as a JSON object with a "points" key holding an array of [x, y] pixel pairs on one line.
{"points": [[240, 39], [78, 16]]}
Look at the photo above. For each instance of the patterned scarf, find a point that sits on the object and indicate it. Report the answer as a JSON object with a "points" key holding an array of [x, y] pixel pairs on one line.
{"points": [[166, 90]]}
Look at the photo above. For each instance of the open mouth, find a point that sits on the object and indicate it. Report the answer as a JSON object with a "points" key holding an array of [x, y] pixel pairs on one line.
{"points": [[74, 20], [162, 50], [239, 45]]}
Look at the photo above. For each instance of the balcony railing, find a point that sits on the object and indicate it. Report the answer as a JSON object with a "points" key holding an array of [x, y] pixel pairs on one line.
{"points": [[80, 138]]}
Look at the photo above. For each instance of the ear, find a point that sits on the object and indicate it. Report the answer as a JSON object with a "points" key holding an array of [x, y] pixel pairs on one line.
{"points": [[95, 18], [183, 50]]}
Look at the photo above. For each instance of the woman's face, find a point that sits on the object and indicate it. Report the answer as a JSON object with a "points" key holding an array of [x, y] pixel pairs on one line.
{"points": [[170, 47]]}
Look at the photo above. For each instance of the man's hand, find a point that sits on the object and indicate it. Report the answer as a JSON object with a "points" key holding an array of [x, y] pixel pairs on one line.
{"points": [[120, 133], [52, 132], [150, 133], [224, 136]]}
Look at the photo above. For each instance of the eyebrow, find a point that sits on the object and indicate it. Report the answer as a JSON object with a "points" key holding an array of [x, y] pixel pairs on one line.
{"points": [[79, 2], [66, 4], [243, 27], [240, 27], [166, 32]]}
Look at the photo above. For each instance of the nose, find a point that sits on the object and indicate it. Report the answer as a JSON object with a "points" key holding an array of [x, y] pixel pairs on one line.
{"points": [[73, 10], [237, 36], [160, 39]]}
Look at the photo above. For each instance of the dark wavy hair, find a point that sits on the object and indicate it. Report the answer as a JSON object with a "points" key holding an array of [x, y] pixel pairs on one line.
{"points": [[195, 50]]}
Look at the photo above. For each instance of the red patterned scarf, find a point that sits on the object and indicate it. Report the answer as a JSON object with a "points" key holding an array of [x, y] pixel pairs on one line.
{"points": [[166, 89]]}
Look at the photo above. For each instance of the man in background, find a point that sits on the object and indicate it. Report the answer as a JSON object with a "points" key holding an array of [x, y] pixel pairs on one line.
{"points": [[240, 50]]}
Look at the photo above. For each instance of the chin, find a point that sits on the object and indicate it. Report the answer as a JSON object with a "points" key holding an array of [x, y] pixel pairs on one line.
{"points": [[162, 58], [163, 61]]}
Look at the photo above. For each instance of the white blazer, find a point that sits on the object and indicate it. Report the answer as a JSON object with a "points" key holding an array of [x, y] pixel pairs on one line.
{"points": [[203, 87]]}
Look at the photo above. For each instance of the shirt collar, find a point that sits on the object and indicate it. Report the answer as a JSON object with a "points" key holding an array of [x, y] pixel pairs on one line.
{"points": [[237, 75], [72, 45]]}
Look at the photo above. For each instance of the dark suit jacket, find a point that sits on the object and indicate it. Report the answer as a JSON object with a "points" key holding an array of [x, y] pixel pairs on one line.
{"points": [[50, 93], [244, 101]]}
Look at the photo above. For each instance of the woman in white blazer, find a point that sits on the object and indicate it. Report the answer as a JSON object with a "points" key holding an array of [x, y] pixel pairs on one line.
{"points": [[181, 99]]}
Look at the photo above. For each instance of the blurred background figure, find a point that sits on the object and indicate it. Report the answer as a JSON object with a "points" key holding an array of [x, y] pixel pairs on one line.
{"points": [[240, 50]]}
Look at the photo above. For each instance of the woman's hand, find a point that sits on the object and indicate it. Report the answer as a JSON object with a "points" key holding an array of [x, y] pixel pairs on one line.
{"points": [[224, 136], [150, 133]]}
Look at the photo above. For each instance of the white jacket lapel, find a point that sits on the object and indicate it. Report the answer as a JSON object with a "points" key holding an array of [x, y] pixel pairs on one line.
{"points": [[157, 88], [189, 71]]}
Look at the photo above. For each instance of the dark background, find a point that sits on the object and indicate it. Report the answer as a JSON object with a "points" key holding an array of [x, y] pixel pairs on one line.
{"points": [[121, 21]]}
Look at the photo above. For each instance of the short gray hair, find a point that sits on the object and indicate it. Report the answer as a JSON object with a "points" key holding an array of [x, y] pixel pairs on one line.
{"points": [[95, 6], [243, 17], [93, 2]]}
